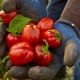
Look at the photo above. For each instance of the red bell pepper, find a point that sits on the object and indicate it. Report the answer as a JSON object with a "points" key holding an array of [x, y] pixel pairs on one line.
{"points": [[43, 56], [11, 40], [30, 34], [45, 24], [32, 23], [53, 37], [7, 17], [21, 53]]}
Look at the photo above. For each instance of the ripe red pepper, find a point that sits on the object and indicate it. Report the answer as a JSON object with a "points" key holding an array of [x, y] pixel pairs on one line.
{"points": [[53, 37], [42, 55], [21, 53], [45, 24], [31, 23], [11, 40], [7, 17], [30, 34]]}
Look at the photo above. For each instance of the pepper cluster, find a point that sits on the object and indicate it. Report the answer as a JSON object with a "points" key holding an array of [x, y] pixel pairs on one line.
{"points": [[35, 41]]}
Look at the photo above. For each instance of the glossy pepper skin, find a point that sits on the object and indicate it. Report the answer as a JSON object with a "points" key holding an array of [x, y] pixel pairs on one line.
{"points": [[11, 40], [43, 56], [21, 53], [45, 24], [53, 37], [30, 34], [7, 17]]}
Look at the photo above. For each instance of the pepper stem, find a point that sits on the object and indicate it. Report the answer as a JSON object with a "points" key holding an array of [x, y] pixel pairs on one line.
{"points": [[57, 34], [45, 47], [5, 59]]}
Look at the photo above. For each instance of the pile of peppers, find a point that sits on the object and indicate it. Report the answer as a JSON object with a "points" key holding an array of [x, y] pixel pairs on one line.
{"points": [[34, 43]]}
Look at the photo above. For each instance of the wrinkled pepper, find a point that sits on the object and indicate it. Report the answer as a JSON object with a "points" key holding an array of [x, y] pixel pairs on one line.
{"points": [[21, 53]]}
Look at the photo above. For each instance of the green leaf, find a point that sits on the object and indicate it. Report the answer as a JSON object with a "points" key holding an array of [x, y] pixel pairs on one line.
{"points": [[0, 4], [17, 24], [0, 19], [1, 1]]}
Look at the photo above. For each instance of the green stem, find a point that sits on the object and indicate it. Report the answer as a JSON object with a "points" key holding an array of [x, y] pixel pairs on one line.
{"points": [[5, 59], [57, 35], [7, 76], [1, 19], [45, 47]]}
